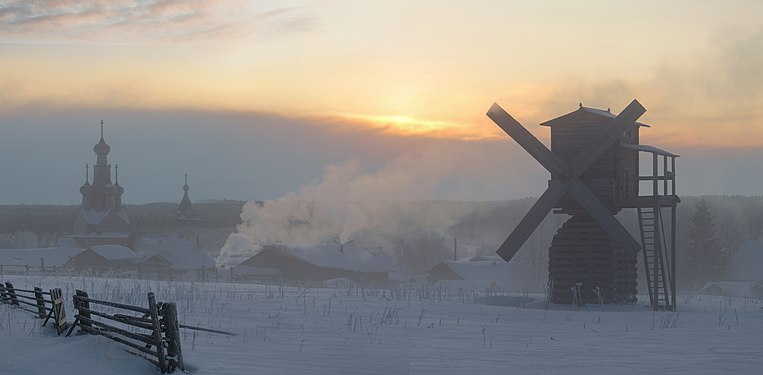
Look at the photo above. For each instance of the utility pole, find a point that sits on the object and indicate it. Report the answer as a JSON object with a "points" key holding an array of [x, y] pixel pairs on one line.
{"points": [[455, 248]]}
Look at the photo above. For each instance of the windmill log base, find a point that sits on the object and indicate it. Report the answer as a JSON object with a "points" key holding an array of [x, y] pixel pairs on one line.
{"points": [[582, 252]]}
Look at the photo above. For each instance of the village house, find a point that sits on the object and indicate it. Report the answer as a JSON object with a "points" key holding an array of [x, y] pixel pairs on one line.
{"points": [[317, 263]]}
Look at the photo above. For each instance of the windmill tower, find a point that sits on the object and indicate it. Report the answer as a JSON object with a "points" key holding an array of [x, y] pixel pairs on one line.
{"points": [[596, 171]]}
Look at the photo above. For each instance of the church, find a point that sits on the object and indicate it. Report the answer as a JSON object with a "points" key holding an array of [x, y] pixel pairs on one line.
{"points": [[101, 219]]}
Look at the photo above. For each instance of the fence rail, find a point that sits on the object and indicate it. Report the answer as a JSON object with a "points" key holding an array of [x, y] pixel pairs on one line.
{"points": [[43, 308], [151, 333]]}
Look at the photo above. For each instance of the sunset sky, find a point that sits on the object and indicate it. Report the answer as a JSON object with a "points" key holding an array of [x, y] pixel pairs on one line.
{"points": [[255, 98]]}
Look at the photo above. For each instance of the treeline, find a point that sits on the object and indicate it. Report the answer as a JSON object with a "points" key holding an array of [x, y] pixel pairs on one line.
{"points": [[47, 222]]}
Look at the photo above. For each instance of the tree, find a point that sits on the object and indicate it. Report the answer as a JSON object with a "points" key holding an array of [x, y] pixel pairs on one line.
{"points": [[706, 259]]}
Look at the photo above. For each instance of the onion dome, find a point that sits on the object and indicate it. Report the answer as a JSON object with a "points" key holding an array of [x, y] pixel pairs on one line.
{"points": [[120, 189], [86, 187], [102, 148]]}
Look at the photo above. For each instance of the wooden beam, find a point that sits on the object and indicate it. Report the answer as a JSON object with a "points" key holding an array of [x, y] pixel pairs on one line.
{"points": [[532, 219], [524, 138]]}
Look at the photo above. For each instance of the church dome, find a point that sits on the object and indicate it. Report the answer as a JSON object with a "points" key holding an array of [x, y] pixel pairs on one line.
{"points": [[102, 148], [85, 188]]}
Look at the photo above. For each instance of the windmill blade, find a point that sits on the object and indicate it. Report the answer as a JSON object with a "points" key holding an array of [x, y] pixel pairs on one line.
{"points": [[532, 219], [603, 216], [602, 141], [534, 147]]}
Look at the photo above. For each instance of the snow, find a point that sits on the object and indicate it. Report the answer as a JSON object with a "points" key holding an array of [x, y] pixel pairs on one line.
{"points": [[350, 330]]}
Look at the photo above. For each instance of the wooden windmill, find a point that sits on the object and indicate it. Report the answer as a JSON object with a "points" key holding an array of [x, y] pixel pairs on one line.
{"points": [[594, 166]]}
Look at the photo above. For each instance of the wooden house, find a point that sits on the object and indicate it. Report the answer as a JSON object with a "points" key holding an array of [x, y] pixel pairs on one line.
{"points": [[319, 263]]}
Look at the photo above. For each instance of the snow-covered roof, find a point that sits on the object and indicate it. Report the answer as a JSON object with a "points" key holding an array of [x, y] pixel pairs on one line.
{"points": [[183, 254], [747, 262], [506, 274], [743, 289], [115, 252], [584, 113], [51, 256], [97, 217], [346, 257]]}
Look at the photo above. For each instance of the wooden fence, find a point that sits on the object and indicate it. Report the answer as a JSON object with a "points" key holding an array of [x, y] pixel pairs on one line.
{"points": [[153, 333], [35, 302]]}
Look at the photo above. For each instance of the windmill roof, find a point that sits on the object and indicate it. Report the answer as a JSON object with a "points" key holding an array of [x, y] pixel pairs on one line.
{"points": [[583, 115]]}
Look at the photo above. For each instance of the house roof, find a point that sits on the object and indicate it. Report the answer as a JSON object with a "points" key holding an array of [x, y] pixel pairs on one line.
{"points": [[115, 252], [745, 289], [585, 114], [97, 217], [346, 257], [747, 262], [183, 254], [244, 270]]}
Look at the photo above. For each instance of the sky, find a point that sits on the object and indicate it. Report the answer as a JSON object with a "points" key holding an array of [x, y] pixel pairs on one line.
{"points": [[254, 99]]}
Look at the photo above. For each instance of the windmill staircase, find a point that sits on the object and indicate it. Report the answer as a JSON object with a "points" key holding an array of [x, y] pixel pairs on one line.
{"points": [[655, 257]]}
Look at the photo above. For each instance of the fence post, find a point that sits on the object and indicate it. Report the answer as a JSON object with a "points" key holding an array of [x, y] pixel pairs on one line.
{"points": [[40, 302], [11, 293], [156, 332], [172, 335], [83, 308], [59, 314]]}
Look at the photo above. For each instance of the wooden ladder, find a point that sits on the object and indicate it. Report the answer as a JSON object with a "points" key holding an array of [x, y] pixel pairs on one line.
{"points": [[654, 257]]}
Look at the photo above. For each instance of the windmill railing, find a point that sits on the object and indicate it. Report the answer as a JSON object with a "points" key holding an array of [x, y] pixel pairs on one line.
{"points": [[44, 305]]}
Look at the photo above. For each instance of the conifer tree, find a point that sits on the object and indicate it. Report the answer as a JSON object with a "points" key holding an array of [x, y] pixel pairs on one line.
{"points": [[706, 257]]}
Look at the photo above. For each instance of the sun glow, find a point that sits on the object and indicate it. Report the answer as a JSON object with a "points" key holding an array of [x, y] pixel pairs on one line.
{"points": [[410, 126]]}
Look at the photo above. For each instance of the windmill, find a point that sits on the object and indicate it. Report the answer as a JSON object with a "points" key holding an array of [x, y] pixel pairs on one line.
{"points": [[594, 164]]}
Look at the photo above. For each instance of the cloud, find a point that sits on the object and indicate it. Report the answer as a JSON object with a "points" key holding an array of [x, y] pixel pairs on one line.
{"points": [[712, 97], [148, 21]]}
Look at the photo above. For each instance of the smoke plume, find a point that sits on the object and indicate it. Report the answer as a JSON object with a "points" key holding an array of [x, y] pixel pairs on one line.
{"points": [[422, 192]]}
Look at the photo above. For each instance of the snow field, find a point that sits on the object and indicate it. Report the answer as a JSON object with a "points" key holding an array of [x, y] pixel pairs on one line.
{"points": [[413, 330]]}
